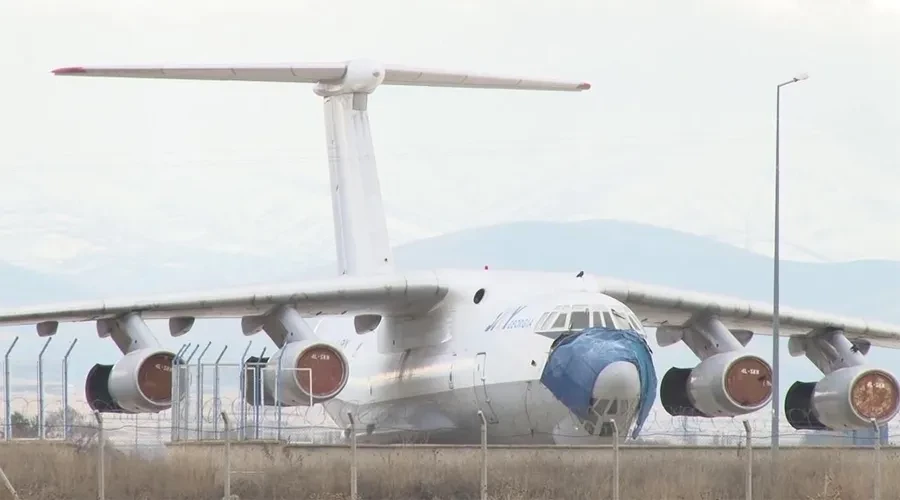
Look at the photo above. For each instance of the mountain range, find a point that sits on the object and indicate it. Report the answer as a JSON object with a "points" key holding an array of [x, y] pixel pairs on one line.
{"points": [[869, 288]]}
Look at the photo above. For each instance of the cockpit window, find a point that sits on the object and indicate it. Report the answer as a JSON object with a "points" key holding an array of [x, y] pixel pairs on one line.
{"points": [[580, 318], [608, 319], [633, 324], [620, 320], [600, 406], [560, 321], [638, 327], [545, 324], [541, 320], [565, 318]]}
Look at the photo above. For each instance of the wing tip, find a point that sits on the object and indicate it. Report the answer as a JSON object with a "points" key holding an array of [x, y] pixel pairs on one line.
{"points": [[584, 86], [69, 70]]}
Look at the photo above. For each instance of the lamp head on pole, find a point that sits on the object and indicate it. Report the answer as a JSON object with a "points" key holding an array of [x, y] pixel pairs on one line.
{"points": [[798, 78]]}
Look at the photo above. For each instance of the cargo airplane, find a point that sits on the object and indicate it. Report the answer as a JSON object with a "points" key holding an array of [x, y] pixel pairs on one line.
{"points": [[541, 357]]}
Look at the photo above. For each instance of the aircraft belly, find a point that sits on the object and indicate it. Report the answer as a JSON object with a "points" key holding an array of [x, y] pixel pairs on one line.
{"points": [[436, 396], [451, 417]]}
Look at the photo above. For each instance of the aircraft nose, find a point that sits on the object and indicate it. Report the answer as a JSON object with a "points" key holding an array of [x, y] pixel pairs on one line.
{"points": [[599, 372]]}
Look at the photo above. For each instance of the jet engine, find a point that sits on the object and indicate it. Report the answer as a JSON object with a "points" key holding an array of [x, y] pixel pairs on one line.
{"points": [[312, 371], [140, 382], [725, 384], [847, 398]]}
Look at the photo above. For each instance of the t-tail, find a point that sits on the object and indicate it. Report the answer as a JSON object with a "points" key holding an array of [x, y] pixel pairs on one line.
{"points": [[360, 227]]}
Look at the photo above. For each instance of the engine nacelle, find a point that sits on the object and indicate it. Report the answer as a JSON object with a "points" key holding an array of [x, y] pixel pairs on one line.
{"points": [[848, 398], [312, 371], [726, 384], [140, 382]]}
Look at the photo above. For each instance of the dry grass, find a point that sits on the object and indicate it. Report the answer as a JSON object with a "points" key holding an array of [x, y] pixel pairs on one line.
{"points": [[56, 472]]}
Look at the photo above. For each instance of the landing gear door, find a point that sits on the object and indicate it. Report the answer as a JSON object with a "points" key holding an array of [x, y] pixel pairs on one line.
{"points": [[480, 385]]}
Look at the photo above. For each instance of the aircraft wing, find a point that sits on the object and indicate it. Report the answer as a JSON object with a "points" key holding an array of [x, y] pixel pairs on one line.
{"points": [[658, 306], [406, 295]]}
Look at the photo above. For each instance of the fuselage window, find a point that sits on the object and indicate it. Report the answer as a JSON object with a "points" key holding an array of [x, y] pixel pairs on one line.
{"points": [[579, 318], [598, 319]]}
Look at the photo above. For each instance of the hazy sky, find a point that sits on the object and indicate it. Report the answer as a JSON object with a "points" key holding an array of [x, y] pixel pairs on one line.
{"points": [[678, 130]]}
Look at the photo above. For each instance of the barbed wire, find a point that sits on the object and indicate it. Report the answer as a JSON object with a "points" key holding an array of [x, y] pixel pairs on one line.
{"points": [[313, 425]]}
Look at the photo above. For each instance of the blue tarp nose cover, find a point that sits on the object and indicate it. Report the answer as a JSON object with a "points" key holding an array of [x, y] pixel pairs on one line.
{"points": [[578, 359]]}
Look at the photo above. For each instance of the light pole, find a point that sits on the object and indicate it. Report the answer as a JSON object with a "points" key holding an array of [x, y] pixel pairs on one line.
{"points": [[775, 320]]}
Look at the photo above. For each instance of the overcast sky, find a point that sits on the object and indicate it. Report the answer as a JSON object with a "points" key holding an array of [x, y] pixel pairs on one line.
{"points": [[678, 130]]}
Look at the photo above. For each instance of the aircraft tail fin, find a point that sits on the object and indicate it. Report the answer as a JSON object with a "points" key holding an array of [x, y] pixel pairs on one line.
{"points": [[360, 227]]}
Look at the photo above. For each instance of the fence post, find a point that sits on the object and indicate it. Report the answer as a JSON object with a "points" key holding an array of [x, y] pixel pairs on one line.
{"points": [[67, 431], [615, 459], [200, 392], [185, 411], [483, 455], [8, 398], [101, 458], [259, 399], [277, 398], [217, 405], [40, 368], [227, 454], [243, 389], [176, 391], [9, 486], [353, 492], [749, 437], [877, 485]]}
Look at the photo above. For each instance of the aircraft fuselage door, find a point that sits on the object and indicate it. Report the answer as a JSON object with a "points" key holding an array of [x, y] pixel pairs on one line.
{"points": [[482, 397]]}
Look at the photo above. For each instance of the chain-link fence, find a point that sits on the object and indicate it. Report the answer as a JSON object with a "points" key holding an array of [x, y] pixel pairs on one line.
{"points": [[275, 447]]}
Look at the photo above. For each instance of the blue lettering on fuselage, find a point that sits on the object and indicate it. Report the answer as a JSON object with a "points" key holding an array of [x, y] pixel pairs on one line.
{"points": [[519, 323], [507, 320]]}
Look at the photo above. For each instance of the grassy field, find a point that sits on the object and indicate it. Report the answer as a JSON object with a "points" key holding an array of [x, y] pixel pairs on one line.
{"points": [[57, 472]]}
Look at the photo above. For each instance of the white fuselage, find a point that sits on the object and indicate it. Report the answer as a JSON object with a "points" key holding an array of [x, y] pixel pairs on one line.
{"points": [[491, 363]]}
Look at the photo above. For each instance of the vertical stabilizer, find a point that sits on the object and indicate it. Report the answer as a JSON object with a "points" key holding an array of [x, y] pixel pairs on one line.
{"points": [[360, 228]]}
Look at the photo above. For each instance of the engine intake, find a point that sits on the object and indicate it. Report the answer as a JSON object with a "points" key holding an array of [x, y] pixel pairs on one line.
{"points": [[725, 384], [140, 382], [848, 398], [312, 371]]}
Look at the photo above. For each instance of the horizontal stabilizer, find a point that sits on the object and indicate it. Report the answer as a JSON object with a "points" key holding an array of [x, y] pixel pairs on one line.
{"points": [[327, 73]]}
